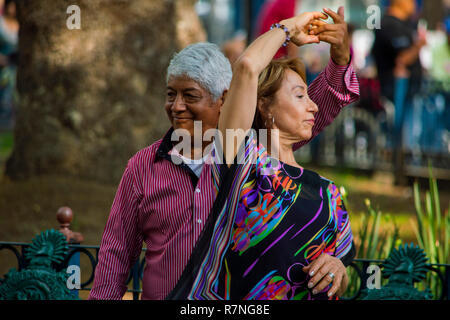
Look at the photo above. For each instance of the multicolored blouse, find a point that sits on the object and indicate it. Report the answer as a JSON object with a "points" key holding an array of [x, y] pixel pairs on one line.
{"points": [[275, 220]]}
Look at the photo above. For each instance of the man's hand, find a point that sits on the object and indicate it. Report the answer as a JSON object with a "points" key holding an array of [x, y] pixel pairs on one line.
{"points": [[335, 34]]}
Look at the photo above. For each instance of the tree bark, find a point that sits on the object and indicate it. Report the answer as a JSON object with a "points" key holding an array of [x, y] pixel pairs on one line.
{"points": [[91, 98]]}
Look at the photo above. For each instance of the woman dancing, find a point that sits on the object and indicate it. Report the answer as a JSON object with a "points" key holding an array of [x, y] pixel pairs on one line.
{"points": [[277, 230]]}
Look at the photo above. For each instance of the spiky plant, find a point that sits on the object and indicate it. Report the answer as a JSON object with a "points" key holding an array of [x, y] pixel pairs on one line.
{"points": [[432, 229]]}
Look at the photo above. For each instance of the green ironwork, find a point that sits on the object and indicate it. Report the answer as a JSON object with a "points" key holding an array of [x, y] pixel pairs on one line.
{"points": [[40, 280], [404, 267]]}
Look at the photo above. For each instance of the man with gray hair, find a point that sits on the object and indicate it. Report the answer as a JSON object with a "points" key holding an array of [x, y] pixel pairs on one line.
{"points": [[167, 204]]}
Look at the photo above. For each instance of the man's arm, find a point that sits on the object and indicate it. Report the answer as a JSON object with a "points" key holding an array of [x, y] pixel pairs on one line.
{"points": [[121, 243], [410, 55], [336, 86]]}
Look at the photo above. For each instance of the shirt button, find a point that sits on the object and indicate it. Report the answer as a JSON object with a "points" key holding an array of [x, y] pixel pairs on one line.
{"points": [[197, 190], [199, 221]]}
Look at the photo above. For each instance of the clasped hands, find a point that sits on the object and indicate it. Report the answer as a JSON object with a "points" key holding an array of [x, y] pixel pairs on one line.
{"points": [[309, 27]]}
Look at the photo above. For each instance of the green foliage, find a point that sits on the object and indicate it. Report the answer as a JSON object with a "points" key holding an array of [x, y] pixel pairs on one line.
{"points": [[432, 229], [432, 226], [372, 242], [6, 143]]}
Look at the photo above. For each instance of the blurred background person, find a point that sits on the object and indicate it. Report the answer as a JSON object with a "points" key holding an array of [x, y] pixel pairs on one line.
{"points": [[440, 68], [396, 48], [274, 11], [396, 51], [9, 31], [234, 47], [440, 73]]}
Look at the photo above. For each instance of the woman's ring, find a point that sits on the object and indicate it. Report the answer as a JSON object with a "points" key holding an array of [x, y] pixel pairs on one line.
{"points": [[331, 275]]}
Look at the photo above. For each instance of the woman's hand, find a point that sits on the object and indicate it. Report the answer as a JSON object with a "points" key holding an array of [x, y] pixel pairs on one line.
{"points": [[319, 271], [299, 27]]}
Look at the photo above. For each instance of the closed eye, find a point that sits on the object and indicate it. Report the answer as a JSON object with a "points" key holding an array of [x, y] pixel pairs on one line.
{"points": [[191, 98]]}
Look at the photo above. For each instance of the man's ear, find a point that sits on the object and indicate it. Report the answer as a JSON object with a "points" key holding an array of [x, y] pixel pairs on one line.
{"points": [[221, 100], [223, 97]]}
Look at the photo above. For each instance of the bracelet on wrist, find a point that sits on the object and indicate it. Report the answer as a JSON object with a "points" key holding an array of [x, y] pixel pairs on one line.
{"points": [[285, 29]]}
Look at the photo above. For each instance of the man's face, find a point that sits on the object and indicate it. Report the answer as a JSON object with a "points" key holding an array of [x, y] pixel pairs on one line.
{"points": [[187, 101]]}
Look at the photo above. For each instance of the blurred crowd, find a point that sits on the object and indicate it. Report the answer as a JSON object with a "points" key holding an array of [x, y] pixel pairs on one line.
{"points": [[9, 31], [403, 66]]}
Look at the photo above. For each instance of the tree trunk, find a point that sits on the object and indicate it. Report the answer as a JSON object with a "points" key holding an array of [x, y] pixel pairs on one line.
{"points": [[92, 97]]}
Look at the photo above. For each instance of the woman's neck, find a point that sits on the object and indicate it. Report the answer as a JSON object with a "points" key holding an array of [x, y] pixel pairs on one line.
{"points": [[282, 150], [286, 155]]}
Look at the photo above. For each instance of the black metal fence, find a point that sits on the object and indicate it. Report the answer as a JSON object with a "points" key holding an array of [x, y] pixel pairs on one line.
{"points": [[134, 281]]}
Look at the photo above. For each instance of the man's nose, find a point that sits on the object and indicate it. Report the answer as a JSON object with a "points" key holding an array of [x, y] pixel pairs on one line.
{"points": [[178, 104]]}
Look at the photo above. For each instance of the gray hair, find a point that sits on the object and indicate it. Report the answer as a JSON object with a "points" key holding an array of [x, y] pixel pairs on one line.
{"points": [[205, 64]]}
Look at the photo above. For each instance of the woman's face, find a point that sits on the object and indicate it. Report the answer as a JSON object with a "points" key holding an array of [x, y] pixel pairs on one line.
{"points": [[292, 109]]}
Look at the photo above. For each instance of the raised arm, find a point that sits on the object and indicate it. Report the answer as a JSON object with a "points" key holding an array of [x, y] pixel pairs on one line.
{"points": [[239, 107], [336, 86]]}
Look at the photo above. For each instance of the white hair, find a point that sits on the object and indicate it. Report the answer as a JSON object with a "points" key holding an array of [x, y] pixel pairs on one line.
{"points": [[205, 64]]}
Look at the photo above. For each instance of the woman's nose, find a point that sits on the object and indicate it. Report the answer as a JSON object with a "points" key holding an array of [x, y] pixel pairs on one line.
{"points": [[313, 107]]}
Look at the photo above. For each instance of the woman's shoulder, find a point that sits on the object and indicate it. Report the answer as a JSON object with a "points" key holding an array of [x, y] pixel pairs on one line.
{"points": [[316, 178]]}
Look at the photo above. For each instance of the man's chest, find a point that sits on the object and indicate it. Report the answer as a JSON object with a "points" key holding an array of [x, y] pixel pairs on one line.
{"points": [[174, 205]]}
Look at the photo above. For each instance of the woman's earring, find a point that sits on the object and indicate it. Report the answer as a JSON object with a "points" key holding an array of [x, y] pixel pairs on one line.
{"points": [[273, 120]]}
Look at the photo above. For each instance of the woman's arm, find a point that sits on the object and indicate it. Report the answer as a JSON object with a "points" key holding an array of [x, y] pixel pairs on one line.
{"points": [[239, 107], [343, 254]]}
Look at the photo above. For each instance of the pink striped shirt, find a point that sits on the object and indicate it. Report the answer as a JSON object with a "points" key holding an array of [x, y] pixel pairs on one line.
{"points": [[166, 205]]}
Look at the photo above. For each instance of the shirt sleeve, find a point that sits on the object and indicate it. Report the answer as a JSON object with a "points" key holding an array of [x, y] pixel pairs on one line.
{"points": [[121, 243], [344, 241], [334, 88]]}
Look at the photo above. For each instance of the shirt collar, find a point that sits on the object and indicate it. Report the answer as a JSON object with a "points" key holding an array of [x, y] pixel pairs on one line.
{"points": [[163, 153], [165, 146]]}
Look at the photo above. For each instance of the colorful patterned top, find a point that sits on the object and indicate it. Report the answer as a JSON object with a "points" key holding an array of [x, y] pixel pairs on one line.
{"points": [[275, 220]]}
